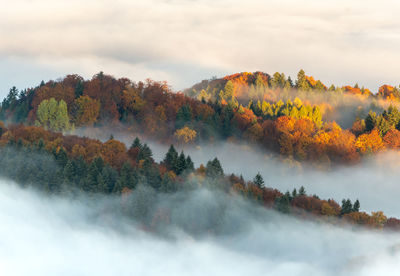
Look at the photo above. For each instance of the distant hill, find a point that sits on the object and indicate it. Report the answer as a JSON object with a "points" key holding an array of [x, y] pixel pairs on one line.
{"points": [[302, 119]]}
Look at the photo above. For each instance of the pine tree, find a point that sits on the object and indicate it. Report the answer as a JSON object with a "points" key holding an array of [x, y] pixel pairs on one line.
{"points": [[370, 121], [282, 204], [61, 157], [107, 179], [183, 116], [168, 185], [180, 164], [189, 164], [69, 172], [136, 143], [356, 206], [259, 181], [126, 176], [171, 158], [214, 169], [347, 207], [302, 191], [145, 153]]}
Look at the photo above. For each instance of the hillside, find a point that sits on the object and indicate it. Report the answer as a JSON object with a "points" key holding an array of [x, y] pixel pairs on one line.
{"points": [[70, 166], [301, 120]]}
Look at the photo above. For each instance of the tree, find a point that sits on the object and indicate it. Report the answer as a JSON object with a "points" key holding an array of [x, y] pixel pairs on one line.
{"points": [[185, 134], [302, 191], [145, 153], [180, 164], [85, 111], [214, 168], [229, 90], [302, 83], [282, 204], [356, 206], [136, 143], [183, 116], [347, 207], [370, 121], [369, 142], [294, 193], [53, 115], [259, 181], [168, 185], [189, 164], [107, 179], [69, 172], [171, 158], [126, 178]]}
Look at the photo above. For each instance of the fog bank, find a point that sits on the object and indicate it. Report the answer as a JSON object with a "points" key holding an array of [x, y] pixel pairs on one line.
{"points": [[374, 181], [53, 236]]}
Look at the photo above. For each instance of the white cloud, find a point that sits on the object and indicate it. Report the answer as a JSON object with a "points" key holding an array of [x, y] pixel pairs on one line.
{"points": [[185, 41]]}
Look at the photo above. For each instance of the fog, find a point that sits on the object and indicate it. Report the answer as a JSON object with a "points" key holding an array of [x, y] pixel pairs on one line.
{"points": [[374, 181], [53, 236]]}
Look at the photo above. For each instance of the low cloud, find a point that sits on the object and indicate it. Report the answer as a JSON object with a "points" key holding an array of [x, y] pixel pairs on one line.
{"points": [[341, 42], [54, 236]]}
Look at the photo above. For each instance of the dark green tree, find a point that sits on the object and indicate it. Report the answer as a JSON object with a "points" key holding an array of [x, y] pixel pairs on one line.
{"points": [[356, 206], [259, 181], [168, 185], [370, 121], [347, 207], [183, 116], [180, 166], [136, 143], [171, 158], [302, 191], [214, 168], [282, 204]]}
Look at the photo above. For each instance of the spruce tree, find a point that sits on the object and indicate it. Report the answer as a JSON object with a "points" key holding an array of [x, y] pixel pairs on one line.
{"points": [[302, 191], [189, 164], [180, 164], [347, 207], [214, 168], [356, 206], [136, 143], [167, 185], [259, 181], [171, 158]]}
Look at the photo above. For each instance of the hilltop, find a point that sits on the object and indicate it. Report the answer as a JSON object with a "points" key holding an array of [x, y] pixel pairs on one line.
{"points": [[302, 119]]}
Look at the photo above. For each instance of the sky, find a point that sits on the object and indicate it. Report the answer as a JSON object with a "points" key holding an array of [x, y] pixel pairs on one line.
{"points": [[186, 41]]}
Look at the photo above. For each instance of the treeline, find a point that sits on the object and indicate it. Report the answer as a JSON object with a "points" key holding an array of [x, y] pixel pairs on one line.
{"points": [[262, 86], [295, 129], [69, 165]]}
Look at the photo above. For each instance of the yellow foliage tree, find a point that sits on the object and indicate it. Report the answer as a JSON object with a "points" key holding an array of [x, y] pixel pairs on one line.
{"points": [[185, 134], [369, 142]]}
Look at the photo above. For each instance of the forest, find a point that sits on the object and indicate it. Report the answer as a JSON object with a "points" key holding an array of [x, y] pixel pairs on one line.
{"points": [[302, 120], [39, 147]]}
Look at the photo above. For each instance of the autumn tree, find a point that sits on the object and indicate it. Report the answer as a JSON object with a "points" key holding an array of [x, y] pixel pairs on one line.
{"points": [[302, 83], [53, 115], [185, 135], [85, 111]]}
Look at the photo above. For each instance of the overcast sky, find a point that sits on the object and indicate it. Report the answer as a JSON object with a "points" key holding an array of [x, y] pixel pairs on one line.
{"points": [[185, 41]]}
